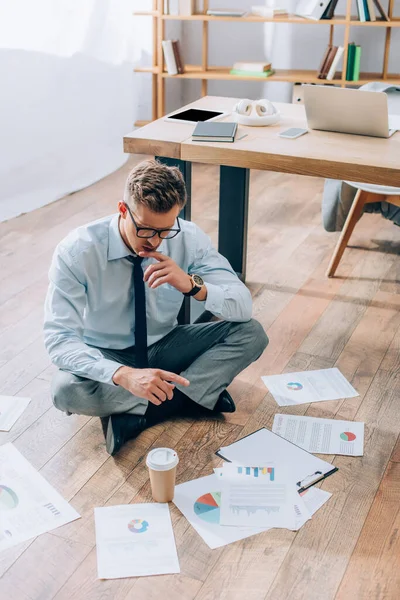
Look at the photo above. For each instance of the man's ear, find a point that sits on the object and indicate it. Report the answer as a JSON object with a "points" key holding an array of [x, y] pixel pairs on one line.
{"points": [[122, 209]]}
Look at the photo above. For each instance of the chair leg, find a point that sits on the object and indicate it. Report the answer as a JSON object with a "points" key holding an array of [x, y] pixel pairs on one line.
{"points": [[355, 213]]}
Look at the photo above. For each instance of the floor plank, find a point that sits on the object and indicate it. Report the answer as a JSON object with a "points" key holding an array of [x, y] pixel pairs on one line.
{"points": [[373, 570]]}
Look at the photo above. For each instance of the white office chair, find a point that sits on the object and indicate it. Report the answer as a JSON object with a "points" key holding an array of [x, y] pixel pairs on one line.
{"points": [[366, 194]]}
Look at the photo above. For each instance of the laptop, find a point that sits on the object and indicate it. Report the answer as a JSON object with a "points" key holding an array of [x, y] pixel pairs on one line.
{"points": [[349, 111]]}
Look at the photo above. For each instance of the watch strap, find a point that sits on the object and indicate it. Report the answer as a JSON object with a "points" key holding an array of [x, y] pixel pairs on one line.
{"points": [[195, 289]]}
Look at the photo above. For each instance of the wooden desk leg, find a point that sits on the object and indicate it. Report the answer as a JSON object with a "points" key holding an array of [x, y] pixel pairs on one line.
{"points": [[189, 312], [233, 214]]}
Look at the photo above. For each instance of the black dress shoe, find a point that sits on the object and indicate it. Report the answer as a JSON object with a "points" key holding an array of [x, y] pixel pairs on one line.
{"points": [[225, 403], [104, 425], [121, 428]]}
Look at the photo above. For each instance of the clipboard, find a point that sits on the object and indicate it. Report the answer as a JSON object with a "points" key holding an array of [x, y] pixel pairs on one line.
{"points": [[270, 447]]}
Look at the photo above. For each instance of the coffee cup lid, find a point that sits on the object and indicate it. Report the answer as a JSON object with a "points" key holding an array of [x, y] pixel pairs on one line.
{"points": [[162, 459]]}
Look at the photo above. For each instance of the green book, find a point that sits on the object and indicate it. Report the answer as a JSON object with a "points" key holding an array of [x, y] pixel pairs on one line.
{"points": [[252, 73], [350, 61], [356, 65]]}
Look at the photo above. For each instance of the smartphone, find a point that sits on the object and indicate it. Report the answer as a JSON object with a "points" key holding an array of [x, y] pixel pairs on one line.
{"points": [[293, 133]]}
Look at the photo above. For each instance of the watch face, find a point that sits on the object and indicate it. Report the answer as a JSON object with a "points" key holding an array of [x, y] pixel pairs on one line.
{"points": [[198, 280]]}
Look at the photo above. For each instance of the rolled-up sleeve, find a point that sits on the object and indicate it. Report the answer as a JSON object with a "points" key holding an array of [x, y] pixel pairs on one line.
{"points": [[227, 297], [63, 323]]}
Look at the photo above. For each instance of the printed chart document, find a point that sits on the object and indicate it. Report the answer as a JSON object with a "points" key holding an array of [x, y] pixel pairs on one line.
{"points": [[11, 408], [200, 502], [134, 540], [29, 505], [264, 446], [309, 386], [312, 499], [259, 496], [324, 436]]}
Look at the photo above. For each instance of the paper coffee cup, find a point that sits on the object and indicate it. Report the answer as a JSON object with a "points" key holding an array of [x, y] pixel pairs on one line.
{"points": [[162, 464]]}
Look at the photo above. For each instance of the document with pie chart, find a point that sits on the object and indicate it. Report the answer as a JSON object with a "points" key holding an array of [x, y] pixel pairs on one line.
{"points": [[323, 436], [29, 505], [309, 386], [200, 502], [134, 540]]}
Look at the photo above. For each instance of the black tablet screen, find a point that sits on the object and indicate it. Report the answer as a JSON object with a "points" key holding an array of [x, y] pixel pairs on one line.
{"points": [[196, 114]]}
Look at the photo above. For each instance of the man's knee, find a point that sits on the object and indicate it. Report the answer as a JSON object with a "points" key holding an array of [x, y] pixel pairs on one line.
{"points": [[67, 391], [254, 336]]}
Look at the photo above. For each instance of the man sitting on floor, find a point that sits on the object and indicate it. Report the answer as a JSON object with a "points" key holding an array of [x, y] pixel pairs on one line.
{"points": [[116, 288]]}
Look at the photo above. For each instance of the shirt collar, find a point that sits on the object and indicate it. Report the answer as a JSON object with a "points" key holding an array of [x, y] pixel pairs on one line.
{"points": [[116, 245]]}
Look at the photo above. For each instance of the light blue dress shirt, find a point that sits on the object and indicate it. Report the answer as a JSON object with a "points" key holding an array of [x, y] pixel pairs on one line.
{"points": [[90, 301]]}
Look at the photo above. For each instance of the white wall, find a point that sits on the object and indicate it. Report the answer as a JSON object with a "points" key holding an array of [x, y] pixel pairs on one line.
{"points": [[287, 46]]}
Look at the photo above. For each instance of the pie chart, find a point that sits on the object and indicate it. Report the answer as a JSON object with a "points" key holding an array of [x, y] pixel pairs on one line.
{"points": [[8, 498], [294, 386], [138, 526], [207, 507], [347, 436]]}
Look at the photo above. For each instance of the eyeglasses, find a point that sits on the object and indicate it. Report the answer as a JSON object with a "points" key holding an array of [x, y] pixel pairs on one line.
{"points": [[147, 232]]}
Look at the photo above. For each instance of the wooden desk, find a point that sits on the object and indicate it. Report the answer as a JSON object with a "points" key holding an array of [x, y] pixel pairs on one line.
{"points": [[319, 154]]}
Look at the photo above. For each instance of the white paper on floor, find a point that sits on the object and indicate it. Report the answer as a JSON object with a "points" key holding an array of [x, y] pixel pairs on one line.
{"points": [[323, 436], [134, 540], [309, 386], [29, 505], [11, 408]]}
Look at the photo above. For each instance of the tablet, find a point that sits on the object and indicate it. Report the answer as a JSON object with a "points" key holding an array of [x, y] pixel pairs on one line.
{"points": [[194, 115]]}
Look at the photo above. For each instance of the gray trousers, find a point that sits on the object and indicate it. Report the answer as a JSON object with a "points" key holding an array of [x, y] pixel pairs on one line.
{"points": [[209, 355]]}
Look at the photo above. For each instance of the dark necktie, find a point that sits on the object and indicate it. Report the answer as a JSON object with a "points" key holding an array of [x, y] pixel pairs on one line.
{"points": [[140, 312]]}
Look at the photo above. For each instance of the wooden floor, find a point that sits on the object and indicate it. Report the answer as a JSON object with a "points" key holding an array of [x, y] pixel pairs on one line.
{"points": [[351, 547]]}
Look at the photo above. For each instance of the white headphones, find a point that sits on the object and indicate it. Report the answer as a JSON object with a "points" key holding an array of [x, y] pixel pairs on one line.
{"points": [[256, 113]]}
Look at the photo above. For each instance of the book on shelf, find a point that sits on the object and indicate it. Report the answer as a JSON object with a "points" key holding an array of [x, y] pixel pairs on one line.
{"points": [[323, 61], [353, 62], [169, 56], [367, 10], [311, 9], [268, 11], [330, 10], [243, 73], [381, 10], [335, 63], [371, 10], [350, 61], [226, 12], [214, 131], [178, 56], [328, 63], [260, 67]]}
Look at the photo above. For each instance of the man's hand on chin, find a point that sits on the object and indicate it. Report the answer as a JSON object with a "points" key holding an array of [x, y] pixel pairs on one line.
{"points": [[167, 271], [154, 385]]}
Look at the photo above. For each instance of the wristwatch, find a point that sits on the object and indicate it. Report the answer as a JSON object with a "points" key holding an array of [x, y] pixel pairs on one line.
{"points": [[197, 283]]}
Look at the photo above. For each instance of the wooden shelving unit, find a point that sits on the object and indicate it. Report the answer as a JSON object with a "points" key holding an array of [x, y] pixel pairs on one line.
{"points": [[205, 72]]}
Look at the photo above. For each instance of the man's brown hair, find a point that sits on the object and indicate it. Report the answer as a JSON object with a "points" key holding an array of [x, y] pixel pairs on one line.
{"points": [[156, 186]]}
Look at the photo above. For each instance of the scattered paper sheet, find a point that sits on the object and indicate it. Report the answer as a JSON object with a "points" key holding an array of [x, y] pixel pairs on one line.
{"points": [[29, 505], [134, 540], [200, 502], [313, 499], [11, 408], [324, 436], [260, 497], [309, 386], [263, 446]]}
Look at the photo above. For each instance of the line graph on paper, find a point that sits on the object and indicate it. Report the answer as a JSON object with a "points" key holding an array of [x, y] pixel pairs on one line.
{"points": [[252, 499]]}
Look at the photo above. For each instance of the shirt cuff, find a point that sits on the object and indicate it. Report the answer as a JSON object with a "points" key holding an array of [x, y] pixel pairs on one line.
{"points": [[215, 299], [104, 370]]}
